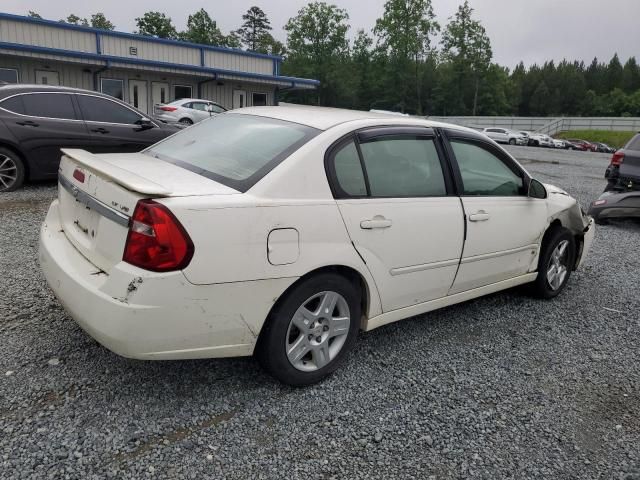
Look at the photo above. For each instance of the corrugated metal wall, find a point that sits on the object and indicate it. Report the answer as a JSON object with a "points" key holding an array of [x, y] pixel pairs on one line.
{"points": [[239, 63], [46, 36], [76, 76], [160, 52]]}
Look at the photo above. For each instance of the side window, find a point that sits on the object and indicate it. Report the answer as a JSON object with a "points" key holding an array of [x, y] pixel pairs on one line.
{"points": [[217, 108], [403, 167], [96, 109], [483, 173], [349, 170], [49, 105], [199, 106], [14, 104]]}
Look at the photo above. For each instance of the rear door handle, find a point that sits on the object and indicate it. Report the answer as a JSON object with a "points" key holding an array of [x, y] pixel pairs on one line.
{"points": [[480, 216], [28, 123], [376, 222], [100, 130]]}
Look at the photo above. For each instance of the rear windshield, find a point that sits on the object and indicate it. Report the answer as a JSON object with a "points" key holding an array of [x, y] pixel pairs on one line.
{"points": [[235, 150], [634, 143]]}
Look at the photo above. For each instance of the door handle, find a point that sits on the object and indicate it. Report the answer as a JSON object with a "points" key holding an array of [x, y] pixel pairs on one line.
{"points": [[479, 216], [376, 222], [28, 123], [100, 130]]}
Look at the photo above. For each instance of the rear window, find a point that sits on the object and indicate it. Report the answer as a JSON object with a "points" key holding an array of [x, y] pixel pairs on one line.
{"points": [[235, 150], [634, 143]]}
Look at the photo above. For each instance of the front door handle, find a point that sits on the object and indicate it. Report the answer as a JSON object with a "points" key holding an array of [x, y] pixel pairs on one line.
{"points": [[376, 222], [479, 216], [100, 130], [28, 123]]}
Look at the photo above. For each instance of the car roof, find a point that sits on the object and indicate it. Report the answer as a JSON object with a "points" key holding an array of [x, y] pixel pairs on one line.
{"points": [[13, 88], [324, 118], [181, 100]]}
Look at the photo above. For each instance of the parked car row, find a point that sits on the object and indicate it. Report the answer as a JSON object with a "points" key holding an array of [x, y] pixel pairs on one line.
{"points": [[532, 139]]}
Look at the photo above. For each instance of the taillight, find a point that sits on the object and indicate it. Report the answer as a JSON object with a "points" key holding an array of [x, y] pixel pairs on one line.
{"points": [[169, 109], [156, 240], [617, 158]]}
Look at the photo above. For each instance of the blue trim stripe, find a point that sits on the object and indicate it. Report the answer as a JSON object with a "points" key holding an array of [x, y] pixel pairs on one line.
{"points": [[138, 61], [133, 36]]}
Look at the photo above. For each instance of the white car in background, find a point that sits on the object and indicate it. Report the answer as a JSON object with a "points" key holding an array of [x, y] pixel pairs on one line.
{"points": [[504, 135], [187, 111], [540, 140], [283, 231]]}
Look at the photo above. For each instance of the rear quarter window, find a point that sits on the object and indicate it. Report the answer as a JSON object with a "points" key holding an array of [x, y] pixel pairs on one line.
{"points": [[634, 143]]}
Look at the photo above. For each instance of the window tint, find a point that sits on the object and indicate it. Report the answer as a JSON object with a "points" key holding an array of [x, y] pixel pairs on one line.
{"points": [[217, 108], [483, 173], [403, 167], [95, 109], [236, 150], [199, 106], [634, 143], [14, 104], [50, 105], [349, 170]]}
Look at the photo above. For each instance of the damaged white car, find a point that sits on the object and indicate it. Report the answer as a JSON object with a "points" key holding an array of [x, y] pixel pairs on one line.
{"points": [[283, 231]]}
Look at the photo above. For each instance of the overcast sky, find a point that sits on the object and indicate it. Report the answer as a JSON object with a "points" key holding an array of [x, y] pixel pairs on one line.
{"points": [[528, 30]]}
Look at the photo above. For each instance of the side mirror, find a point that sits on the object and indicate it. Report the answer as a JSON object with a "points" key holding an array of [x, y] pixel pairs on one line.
{"points": [[209, 108], [145, 124], [536, 189]]}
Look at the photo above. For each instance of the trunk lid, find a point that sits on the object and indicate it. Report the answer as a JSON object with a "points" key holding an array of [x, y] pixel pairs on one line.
{"points": [[98, 194]]}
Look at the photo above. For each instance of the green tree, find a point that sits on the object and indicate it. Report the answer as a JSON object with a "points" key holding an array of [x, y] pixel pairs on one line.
{"points": [[201, 28], [75, 20], [156, 24], [98, 20], [255, 28], [614, 74], [539, 103], [404, 33], [268, 44], [466, 44], [317, 47], [33, 14], [631, 76]]}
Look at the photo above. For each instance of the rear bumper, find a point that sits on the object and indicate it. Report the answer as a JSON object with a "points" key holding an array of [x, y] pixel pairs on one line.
{"points": [[146, 315]]}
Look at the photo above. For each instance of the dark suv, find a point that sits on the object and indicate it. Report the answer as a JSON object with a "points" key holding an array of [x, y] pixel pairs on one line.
{"points": [[36, 121], [623, 173]]}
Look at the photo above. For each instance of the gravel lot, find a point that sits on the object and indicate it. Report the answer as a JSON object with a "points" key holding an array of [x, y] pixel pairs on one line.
{"points": [[500, 387]]}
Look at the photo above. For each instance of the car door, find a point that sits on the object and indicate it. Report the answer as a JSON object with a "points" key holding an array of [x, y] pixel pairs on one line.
{"points": [[115, 127], [395, 196], [43, 123], [504, 225], [199, 111]]}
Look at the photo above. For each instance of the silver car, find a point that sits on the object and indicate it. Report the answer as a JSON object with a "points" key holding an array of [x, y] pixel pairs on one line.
{"points": [[504, 135], [187, 111]]}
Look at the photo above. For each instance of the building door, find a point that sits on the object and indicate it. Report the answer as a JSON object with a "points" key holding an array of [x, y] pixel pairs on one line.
{"points": [[138, 95], [159, 93], [45, 77], [239, 98]]}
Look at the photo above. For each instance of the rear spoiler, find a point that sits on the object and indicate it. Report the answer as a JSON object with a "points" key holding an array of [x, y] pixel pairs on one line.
{"points": [[116, 174]]}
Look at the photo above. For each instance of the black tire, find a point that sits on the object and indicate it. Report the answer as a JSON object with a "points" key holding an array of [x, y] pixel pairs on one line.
{"points": [[186, 121], [12, 170], [271, 350], [554, 236], [512, 141], [536, 143]]}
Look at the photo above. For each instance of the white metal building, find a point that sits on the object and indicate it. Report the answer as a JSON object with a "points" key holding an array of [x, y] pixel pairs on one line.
{"points": [[141, 70]]}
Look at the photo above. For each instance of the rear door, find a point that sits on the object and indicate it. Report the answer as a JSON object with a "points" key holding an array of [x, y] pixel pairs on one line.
{"points": [[114, 127], [44, 123], [199, 111], [394, 194], [503, 224]]}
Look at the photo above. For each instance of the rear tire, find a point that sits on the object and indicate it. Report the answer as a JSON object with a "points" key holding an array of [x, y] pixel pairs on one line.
{"points": [[557, 258], [12, 171], [186, 121], [302, 342], [512, 141]]}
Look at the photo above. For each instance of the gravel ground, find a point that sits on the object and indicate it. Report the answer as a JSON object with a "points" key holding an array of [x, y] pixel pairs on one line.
{"points": [[500, 387]]}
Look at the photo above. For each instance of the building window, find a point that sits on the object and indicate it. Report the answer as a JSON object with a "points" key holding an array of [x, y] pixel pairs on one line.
{"points": [[9, 75], [181, 91], [112, 87], [259, 99]]}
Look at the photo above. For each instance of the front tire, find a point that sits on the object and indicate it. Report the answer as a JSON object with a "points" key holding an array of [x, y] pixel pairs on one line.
{"points": [[512, 141], [12, 171], [555, 264], [311, 330]]}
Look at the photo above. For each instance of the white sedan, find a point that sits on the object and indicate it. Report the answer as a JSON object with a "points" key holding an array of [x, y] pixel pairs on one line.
{"points": [[283, 231]]}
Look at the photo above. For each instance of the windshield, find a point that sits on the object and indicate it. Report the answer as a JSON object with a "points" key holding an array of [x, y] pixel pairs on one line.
{"points": [[235, 150]]}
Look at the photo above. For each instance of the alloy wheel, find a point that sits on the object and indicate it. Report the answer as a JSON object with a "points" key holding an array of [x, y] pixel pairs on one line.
{"points": [[8, 172], [318, 331], [558, 265]]}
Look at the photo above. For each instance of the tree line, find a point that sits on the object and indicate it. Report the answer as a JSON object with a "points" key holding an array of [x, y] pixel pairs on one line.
{"points": [[411, 63]]}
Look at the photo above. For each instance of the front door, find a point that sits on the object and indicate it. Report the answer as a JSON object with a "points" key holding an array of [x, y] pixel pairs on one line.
{"points": [[45, 77], [504, 225], [138, 95], [239, 98], [159, 93], [399, 215]]}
